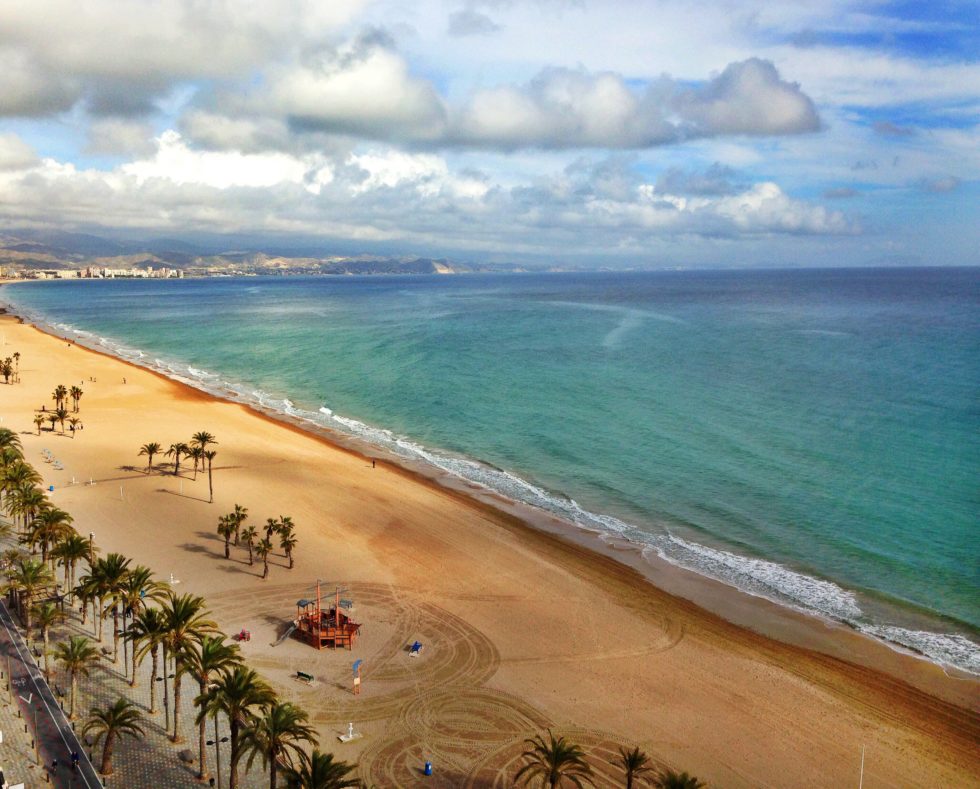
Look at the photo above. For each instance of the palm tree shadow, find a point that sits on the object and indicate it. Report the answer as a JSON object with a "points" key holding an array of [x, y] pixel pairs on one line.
{"points": [[182, 495], [193, 547]]}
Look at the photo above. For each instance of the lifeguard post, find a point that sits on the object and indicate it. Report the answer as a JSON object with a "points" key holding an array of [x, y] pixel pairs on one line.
{"points": [[320, 627]]}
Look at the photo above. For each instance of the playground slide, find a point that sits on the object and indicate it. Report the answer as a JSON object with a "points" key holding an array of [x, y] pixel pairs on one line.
{"points": [[285, 635]]}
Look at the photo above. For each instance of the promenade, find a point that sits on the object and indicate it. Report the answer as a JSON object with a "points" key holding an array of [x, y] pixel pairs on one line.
{"points": [[32, 716]]}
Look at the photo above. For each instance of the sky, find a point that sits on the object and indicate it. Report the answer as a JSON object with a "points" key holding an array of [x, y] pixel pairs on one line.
{"points": [[620, 133]]}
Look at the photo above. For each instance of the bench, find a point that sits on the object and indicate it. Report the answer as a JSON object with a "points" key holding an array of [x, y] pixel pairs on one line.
{"points": [[302, 676]]}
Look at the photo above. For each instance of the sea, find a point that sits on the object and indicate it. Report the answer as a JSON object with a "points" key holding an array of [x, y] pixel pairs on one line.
{"points": [[807, 436]]}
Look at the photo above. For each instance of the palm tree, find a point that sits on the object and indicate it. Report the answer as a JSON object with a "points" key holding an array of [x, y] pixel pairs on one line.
{"points": [[668, 779], [70, 550], [187, 622], [235, 693], [121, 719], [59, 394], [271, 527], [240, 515], [175, 451], [76, 657], [196, 454], [8, 438], [89, 590], [320, 771], [48, 614], [248, 537], [38, 421], [210, 656], [287, 541], [554, 762], [27, 578], [17, 363], [52, 420], [76, 395], [635, 763], [7, 369], [147, 633], [203, 439], [150, 449], [73, 423], [50, 527], [277, 736], [209, 455], [226, 529], [263, 549], [110, 574], [137, 589]]}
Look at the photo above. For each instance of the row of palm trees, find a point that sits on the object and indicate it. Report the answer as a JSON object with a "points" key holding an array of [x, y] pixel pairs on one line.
{"points": [[230, 526], [177, 628], [61, 394], [555, 762], [197, 449]]}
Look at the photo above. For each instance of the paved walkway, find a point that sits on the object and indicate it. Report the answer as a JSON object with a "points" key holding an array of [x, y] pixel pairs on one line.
{"points": [[41, 715]]}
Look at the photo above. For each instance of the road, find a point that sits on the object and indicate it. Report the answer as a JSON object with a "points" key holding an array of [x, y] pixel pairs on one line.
{"points": [[55, 737]]}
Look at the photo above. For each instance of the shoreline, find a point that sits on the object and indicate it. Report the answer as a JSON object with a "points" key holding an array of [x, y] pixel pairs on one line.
{"points": [[758, 613], [636, 661]]}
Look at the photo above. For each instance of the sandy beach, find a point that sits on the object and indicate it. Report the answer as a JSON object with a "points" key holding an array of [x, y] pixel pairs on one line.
{"points": [[523, 628]]}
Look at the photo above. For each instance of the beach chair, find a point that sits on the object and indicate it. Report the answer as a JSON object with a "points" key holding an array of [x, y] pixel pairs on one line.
{"points": [[416, 649], [245, 635]]}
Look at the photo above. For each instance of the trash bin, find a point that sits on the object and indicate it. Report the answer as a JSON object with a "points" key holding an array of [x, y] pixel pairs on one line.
{"points": [[428, 769], [51, 488]]}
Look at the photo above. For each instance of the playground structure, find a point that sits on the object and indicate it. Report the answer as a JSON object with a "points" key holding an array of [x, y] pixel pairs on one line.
{"points": [[325, 627]]}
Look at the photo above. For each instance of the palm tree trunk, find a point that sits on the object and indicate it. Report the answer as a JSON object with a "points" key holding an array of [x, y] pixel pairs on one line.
{"points": [[265, 568], [153, 682], [177, 678], [106, 768], [101, 617], [233, 768], [250, 562], [115, 633], [71, 704], [210, 485], [227, 547], [202, 751], [166, 689], [47, 667], [272, 772]]}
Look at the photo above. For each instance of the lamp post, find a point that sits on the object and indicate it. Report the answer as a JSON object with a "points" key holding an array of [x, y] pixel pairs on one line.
{"points": [[216, 742]]}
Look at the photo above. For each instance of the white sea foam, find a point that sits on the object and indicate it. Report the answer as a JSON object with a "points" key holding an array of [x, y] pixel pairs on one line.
{"points": [[948, 649], [756, 576]]}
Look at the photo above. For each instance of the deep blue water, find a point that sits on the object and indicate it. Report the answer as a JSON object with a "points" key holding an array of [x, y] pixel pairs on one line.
{"points": [[811, 436]]}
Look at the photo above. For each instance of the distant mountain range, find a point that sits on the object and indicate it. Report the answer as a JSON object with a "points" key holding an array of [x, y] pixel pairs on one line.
{"points": [[32, 250]]}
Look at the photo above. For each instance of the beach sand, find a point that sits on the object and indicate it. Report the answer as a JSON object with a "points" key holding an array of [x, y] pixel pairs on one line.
{"points": [[523, 629]]}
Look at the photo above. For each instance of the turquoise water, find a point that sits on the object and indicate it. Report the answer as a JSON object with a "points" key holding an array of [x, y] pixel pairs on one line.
{"points": [[809, 436]]}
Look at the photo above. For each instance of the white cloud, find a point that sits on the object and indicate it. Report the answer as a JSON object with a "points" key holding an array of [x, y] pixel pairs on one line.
{"points": [[388, 194], [361, 88], [123, 56], [748, 98], [15, 154], [173, 161]]}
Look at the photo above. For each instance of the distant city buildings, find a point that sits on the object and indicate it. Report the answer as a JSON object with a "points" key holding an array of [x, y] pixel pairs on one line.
{"points": [[97, 272]]}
